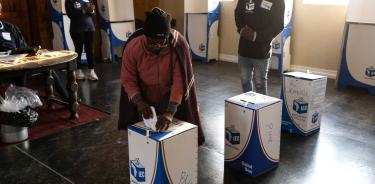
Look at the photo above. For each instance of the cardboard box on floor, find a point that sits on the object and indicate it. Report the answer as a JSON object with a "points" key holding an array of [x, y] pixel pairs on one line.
{"points": [[165, 157], [303, 95], [252, 133]]}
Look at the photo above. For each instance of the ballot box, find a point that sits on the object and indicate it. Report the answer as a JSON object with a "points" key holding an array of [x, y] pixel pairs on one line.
{"points": [[163, 157], [252, 133], [303, 97]]}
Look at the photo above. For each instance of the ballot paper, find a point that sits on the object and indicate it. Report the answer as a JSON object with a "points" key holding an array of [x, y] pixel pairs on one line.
{"points": [[151, 122]]}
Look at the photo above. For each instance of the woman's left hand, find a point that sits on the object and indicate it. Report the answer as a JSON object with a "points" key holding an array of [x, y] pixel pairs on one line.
{"points": [[164, 121]]}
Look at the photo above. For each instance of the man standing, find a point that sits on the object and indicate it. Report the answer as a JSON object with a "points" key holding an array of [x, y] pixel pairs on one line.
{"points": [[157, 71], [258, 23], [10, 36]]}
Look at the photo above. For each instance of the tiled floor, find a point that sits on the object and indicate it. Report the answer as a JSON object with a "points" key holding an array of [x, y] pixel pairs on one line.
{"points": [[343, 151]]}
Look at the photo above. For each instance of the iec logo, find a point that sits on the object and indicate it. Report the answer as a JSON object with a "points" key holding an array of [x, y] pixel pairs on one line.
{"points": [[300, 106], [128, 34], [370, 71], [232, 135], [276, 45], [315, 117], [137, 170], [202, 47]]}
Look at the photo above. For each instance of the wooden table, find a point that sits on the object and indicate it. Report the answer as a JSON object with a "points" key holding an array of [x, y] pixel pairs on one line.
{"points": [[45, 63]]}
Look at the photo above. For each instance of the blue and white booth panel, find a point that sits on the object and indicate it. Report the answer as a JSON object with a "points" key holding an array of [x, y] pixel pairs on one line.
{"points": [[201, 28], [116, 10], [281, 57], [58, 36], [358, 57], [115, 36], [204, 41], [213, 28], [197, 35]]}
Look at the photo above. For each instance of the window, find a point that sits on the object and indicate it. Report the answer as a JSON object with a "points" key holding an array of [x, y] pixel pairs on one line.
{"points": [[326, 2]]}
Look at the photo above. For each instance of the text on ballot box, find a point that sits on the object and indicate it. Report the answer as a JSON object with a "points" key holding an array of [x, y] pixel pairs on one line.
{"points": [[303, 100], [163, 157], [252, 133]]}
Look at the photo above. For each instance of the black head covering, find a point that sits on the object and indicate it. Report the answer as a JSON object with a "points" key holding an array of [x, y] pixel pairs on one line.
{"points": [[157, 24]]}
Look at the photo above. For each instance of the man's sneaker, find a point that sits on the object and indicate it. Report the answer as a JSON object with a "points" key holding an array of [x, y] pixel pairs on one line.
{"points": [[80, 75], [92, 75]]}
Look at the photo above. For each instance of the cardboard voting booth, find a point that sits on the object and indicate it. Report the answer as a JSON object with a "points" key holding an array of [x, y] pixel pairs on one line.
{"points": [[117, 24], [303, 95], [281, 57], [357, 60], [163, 157], [252, 133], [201, 28]]}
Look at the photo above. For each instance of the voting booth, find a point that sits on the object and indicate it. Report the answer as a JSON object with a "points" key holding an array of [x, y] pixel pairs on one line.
{"points": [[358, 53], [117, 24], [201, 28], [281, 57]]}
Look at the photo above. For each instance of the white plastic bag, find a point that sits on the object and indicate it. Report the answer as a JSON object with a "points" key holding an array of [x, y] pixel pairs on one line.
{"points": [[18, 98]]}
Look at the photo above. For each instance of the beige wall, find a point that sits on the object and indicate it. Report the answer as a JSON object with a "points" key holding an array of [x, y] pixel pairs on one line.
{"points": [[228, 32], [317, 32], [317, 35], [176, 9]]}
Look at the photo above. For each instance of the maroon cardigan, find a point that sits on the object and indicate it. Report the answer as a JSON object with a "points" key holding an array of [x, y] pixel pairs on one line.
{"points": [[188, 109]]}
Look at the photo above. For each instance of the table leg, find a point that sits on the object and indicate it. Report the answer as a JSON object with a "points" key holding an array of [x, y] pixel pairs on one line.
{"points": [[73, 97], [49, 89]]}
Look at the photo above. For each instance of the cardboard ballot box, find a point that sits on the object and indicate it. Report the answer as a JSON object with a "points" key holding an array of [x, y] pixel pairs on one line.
{"points": [[252, 132], [163, 157], [303, 95]]}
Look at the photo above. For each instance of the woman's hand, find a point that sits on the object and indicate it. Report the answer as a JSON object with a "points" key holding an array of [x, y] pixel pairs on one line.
{"points": [[164, 121], [144, 109]]}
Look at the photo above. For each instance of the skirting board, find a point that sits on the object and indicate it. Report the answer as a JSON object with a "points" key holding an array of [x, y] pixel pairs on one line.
{"points": [[329, 73]]}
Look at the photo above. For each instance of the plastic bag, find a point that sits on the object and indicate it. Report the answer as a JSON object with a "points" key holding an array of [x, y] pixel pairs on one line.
{"points": [[15, 109], [24, 118], [18, 98]]}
